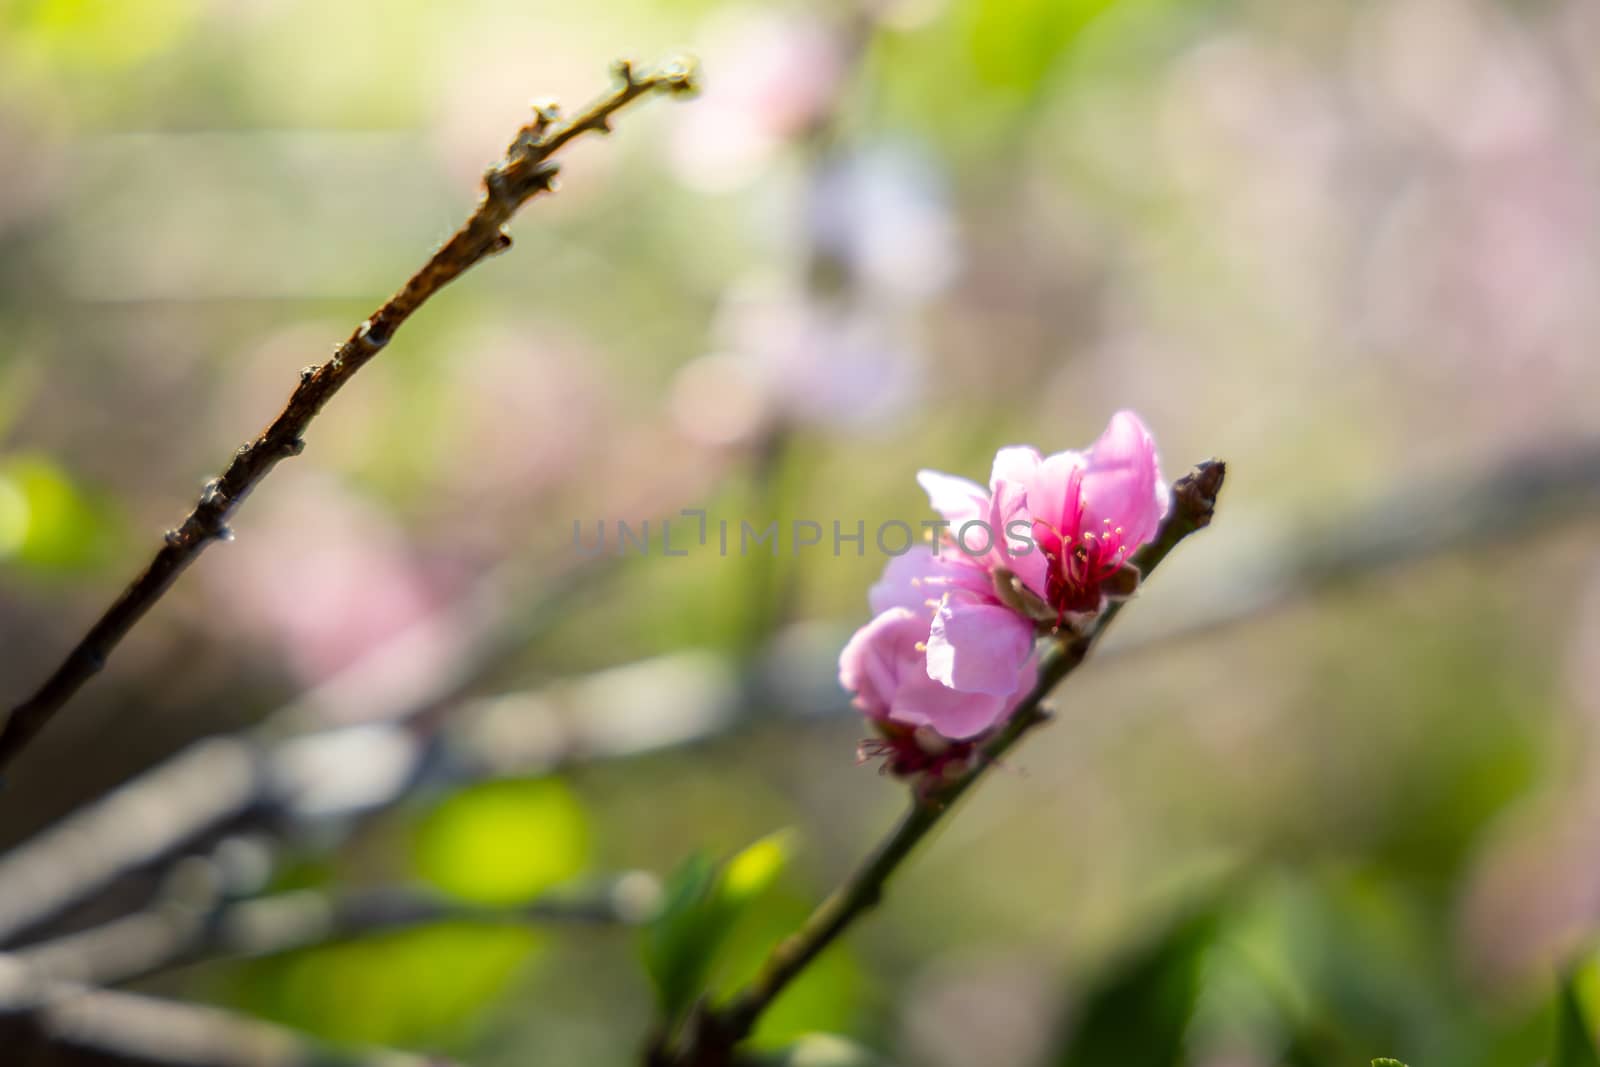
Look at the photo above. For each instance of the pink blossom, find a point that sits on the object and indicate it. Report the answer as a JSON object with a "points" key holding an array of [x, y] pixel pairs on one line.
{"points": [[951, 647], [977, 643], [1092, 511], [885, 665], [974, 643]]}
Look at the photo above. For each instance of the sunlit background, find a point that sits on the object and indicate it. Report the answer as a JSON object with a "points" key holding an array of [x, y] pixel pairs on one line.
{"points": [[1331, 793]]}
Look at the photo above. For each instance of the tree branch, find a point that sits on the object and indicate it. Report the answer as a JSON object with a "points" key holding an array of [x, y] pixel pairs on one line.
{"points": [[525, 172], [200, 924], [715, 1032], [62, 1024]]}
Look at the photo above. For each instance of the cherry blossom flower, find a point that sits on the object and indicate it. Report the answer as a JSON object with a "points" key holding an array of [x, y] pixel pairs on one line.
{"points": [[923, 725], [951, 647], [885, 665], [1092, 511]]}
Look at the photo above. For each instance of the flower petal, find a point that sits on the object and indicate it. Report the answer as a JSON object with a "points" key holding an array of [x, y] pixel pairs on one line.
{"points": [[912, 580], [978, 648], [1015, 465], [1015, 545], [874, 662], [949, 712], [957, 499], [1123, 485], [1053, 494]]}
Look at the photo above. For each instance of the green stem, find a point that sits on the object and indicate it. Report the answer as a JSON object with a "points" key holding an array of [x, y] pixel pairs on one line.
{"points": [[716, 1032]]}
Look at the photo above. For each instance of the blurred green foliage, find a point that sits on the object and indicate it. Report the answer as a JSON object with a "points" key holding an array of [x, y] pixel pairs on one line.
{"points": [[423, 988], [1575, 1028], [1138, 1015], [716, 929], [49, 524], [503, 842], [704, 902]]}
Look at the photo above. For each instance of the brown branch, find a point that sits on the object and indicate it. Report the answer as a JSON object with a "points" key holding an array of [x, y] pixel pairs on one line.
{"points": [[525, 172]]}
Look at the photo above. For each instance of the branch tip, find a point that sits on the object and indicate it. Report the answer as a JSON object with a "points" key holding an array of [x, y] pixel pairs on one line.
{"points": [[1196, 492]]}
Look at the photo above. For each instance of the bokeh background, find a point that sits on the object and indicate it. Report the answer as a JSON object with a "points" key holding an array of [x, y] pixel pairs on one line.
{"points": [[1331, 793]]}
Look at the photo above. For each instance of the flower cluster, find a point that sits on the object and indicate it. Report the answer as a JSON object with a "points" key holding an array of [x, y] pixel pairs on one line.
{"points": [[949, 652]]}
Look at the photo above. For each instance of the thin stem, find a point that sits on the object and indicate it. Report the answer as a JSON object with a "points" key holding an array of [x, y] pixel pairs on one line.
{"points": [[65, 1024], [716, 1032], [181, 931], [525, 172]]}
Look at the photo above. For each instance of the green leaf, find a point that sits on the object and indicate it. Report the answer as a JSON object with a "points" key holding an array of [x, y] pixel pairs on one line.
{"points": [[1384, 1061], [704, 902], [1575, 1045], [1138, 1015], [503, 842]]}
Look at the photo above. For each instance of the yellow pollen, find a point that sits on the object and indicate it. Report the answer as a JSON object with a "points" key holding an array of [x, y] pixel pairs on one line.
{"points": [[922, 646]]}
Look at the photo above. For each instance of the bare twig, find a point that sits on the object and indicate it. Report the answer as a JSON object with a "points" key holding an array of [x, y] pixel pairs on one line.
{"points": [[526, 171], [51, 1001], [198, 924], [63, 1024], [714, 1033]]}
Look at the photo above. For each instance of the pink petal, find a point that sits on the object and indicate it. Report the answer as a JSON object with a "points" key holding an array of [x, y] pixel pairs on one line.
{"points": [[978, 648], [1014, 465], [911, 580], [1123, 482], [953, 714], [1016, 547], [957, 499], [1053, 492], [872, 665]]}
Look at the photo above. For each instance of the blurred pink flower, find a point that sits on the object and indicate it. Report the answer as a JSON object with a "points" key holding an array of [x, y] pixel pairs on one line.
{"points": [[806, 360], [326, 577], [882, 212], [776, 74]]}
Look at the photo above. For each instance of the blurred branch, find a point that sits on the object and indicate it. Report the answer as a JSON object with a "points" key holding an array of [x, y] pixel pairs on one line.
{"points": [[525, 172], [50, 1004], [1419, 520], [282, 772], [714, 1033], [197, 922], [62, 1024]]}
